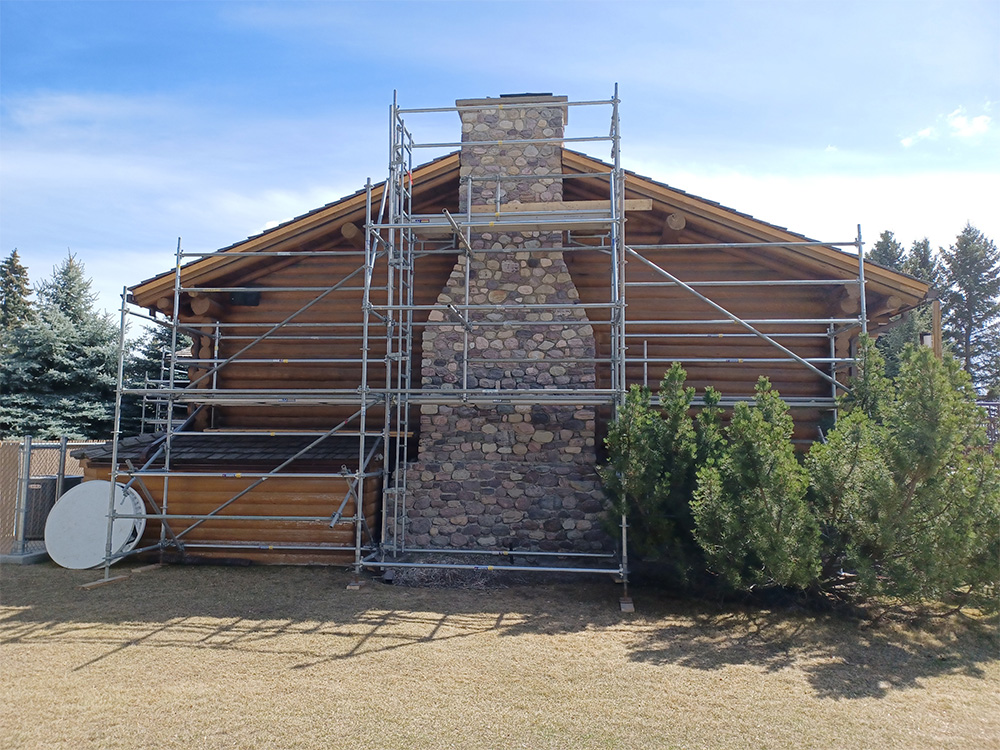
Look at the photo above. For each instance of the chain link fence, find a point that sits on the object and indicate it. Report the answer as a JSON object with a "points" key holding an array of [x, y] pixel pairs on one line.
{"points": [[33, 475]]}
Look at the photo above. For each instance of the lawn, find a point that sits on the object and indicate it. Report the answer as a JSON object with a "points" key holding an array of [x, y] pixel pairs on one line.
{"points": [[258, 657]]}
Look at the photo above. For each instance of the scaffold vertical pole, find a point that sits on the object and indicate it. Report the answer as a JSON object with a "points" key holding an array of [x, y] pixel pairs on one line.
{"points": [[620, 347], [861, 282], [366, 302], [116, 435]]}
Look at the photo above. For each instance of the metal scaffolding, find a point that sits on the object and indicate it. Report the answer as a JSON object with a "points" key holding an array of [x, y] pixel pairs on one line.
{"points": [[400, 235], [387, 395]]}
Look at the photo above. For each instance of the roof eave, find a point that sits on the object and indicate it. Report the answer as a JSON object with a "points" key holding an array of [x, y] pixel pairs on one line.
{"points": [[145, 293]]}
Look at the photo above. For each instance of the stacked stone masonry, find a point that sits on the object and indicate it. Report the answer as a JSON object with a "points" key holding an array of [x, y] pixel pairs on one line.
{"points": [[512, 477]]}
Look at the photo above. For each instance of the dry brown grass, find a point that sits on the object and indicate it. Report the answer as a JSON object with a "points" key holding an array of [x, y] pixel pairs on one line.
{"points": [[211, 657]]}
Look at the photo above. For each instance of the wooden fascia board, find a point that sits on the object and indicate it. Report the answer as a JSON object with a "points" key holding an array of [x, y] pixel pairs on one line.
{"points": [[328, 219], [879, 280]]}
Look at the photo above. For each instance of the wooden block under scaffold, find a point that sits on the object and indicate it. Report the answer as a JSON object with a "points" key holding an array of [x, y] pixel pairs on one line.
{"points": [[102, 582]]}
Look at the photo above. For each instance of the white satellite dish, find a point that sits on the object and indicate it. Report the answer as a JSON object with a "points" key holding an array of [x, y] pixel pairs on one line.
{"points": [[76, 532]]}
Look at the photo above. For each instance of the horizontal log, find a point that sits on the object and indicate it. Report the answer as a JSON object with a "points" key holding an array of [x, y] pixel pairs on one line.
{"points": [[199, 501], [676, 221], [277, 557], [285, 484], [353, 234], [266, 376], [279, 418], [777, 373], [206, 532], [284, 489], [208, 307]]}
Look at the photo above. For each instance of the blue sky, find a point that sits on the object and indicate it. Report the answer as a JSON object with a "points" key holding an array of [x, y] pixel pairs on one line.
{"points": [[125, 125]]}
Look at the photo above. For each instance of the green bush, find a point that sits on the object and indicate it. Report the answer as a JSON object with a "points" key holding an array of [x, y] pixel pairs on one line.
{"points": [[901, 505], [751, 516], [908, 492], [654, 455]]}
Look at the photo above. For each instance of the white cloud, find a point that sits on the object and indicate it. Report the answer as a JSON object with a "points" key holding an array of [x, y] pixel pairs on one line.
{"points": [[54, 110], [921, 135], [117, 180], [956, 124], [964, 127]]}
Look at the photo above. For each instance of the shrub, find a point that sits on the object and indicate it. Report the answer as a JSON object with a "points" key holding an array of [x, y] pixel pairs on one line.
{"points": [[903, 503], [750, 512], [907, 491], [654, 455]]}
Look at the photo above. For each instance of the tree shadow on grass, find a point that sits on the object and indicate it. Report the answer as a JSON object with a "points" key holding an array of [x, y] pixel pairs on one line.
{"points": [[841, 658], [306, 617]]}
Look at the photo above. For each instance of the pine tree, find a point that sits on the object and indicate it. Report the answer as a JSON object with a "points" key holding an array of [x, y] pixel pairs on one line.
{"points": [[907, 489], [68, 290], [653, 457], [59, 370], [886, 252], [921, 262], [15, 307], [751, 516], [971, 303]]}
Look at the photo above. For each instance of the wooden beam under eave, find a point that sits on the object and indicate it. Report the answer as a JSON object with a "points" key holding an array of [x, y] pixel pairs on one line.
{"points": [[848, 299], [672, 226], [353, 234], [204, 305], [881, 306], [165, 305]]}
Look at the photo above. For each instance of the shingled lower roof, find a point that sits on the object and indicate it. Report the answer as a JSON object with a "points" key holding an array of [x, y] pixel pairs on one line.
{"points": [[204, 448]]}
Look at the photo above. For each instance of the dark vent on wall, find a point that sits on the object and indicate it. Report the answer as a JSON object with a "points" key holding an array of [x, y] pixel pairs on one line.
{"points": [[244, 299]]}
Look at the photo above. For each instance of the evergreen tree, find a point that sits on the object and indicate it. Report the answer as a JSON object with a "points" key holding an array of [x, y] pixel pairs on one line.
{"points": [[908, 491], [971, 303], [59, 371], [750, 511], [68, 290], [887, 252], [650, 476], [15, 307], [921, 262], [151, 354]]}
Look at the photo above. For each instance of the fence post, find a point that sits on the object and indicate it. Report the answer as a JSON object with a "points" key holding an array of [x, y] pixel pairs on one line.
{"points": [[21, 502], [61, 473]]}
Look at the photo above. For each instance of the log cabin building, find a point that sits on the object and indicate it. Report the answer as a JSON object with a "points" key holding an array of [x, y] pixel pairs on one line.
{"points": [[429, 364]]}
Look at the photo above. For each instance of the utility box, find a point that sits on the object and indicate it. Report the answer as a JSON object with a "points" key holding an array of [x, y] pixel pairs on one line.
{"points": [[40, 498]]}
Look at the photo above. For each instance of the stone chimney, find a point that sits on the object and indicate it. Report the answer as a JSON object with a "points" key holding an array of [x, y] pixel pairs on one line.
{"points": [[509, 476]]}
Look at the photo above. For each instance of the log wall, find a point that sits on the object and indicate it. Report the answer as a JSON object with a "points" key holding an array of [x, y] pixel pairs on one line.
{"points": [[281, 496], [591, 274]]}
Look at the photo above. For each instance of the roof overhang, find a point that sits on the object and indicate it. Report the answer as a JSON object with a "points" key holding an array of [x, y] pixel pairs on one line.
{"points": [[824, 261]]}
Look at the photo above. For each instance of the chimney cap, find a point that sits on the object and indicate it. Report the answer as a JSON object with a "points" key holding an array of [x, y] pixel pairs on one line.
{"points": [[539, 99]]}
